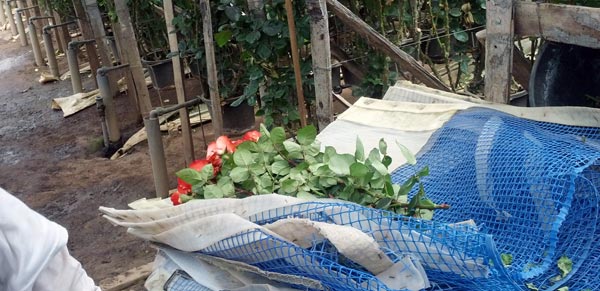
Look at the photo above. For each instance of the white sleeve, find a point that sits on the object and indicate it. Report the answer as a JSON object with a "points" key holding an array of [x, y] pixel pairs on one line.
{"points": [[30, 247]]}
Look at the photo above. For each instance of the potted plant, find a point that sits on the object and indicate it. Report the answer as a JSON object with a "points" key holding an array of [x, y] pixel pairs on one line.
{"points": [[153, 42]]}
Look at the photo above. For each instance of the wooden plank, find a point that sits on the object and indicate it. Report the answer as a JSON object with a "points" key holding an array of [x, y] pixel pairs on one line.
{"points": [[521, 66], [296, 60], [498, 50], [132, 56], [127, 279], [211, 66], [561, 23], [321, 61], [186, 129], [379, 42]]}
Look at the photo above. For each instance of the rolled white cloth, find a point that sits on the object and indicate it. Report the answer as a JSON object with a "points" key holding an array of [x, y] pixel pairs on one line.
{"points": [[33, 252]]}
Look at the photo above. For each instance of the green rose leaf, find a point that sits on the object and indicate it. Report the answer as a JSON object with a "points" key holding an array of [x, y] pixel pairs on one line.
{"points": [[410, 158], [358, 170], [340, 164], [292, 147], [190, 176], [227, 187], [212, 192], [532, 287], [383, 147], [239, 174], [456, 12], [277, 135], [281, 168], [461, 36], [233, 13], [252, 37], [565, 265], [359, 153], [207, 172], [223, 37], [507, 259], [307, 135], [289, 186], [243, 158]]}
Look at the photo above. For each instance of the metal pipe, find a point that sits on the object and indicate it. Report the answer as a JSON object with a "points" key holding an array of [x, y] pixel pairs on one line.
{"points": [[156, 148], [52, 63], [20, 25], [113, 47], [101, 112], [2, 14], [11, 19], [157, 156], [35, 43], [72, 52], [114, 134]]}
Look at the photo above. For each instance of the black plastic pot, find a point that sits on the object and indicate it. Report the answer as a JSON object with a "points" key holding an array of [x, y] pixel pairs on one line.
{"points": [[161, 72], [565, 75], [236, 119]]}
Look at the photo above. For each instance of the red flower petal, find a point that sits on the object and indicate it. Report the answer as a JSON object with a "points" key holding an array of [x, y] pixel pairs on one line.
{"points": [[199, 164], [252, 135], [183, 187], [224, 143]]}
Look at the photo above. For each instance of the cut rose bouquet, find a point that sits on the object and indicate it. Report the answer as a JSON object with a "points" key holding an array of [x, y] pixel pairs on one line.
{"points": [[268, 162]]}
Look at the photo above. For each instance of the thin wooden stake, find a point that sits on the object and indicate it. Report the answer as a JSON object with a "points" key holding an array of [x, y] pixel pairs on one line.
{"points": [[132, 57], [211, 66], [296, 60], [88, 33], [188, 146], [321, 60]]}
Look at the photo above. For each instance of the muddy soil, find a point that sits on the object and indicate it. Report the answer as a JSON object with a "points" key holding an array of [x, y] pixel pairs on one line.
{"points": [[55, 165]]}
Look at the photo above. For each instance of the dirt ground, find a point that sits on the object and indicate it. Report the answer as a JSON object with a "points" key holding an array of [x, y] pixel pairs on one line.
{"points": [[55, 166]]}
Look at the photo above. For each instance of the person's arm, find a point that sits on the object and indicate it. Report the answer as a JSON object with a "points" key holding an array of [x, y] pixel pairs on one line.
{"points": [[33, 252]]}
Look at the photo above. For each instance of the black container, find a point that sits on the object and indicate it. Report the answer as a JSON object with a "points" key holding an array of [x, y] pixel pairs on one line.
{"points": [[161, 72], [565, 75]]}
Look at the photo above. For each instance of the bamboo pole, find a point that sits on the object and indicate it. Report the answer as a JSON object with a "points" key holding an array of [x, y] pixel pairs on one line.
{"points": [[296, 60], [211, 66], [132, 56], [188, 145]]}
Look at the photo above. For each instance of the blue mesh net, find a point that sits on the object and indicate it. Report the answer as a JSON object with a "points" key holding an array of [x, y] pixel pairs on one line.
{"points": [[531, 188], [531, 185]]}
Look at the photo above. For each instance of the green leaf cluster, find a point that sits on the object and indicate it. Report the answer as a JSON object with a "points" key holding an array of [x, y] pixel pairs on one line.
{"points": [[297, 167]]}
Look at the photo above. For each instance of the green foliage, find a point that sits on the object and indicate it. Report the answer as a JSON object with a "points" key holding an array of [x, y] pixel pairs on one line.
{"points": [[507, 259], [297, 167], [251, 50]]}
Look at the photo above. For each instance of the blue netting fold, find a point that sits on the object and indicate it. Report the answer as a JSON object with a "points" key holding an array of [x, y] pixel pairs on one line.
{"points": [[532, 185]]}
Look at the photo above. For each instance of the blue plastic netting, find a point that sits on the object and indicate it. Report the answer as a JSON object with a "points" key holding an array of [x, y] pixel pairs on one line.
{"points": [[531, 188], [532, 185]]}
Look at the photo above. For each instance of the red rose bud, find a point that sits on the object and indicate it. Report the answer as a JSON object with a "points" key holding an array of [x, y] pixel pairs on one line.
{"points": [[211, 151], [252, 135], [183, 187], [175, 198]]}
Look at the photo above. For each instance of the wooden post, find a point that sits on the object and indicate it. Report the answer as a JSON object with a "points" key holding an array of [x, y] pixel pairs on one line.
{"points": [[60, 33], [379, 42], [87, 32], [296, 60], [188, 146], [211, 66], [498, 50], [128, 75], [91, 7], [321, 60], [132, 56]]}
